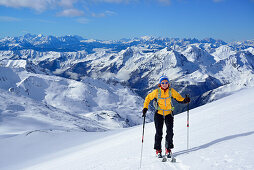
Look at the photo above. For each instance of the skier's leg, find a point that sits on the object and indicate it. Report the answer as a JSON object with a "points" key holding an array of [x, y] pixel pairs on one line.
{"points": [[158, 121], [169, 121]]}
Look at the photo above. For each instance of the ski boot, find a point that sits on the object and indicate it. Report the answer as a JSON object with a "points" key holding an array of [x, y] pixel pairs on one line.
{"points": [[168, 153], [158, 153]]}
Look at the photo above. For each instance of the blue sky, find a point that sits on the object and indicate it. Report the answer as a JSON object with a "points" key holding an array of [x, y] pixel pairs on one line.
{"points": [[229, 20]]}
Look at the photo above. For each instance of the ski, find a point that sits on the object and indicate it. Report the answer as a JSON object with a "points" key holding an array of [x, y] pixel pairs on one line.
{"points": [[165, 158], [173, 159]]}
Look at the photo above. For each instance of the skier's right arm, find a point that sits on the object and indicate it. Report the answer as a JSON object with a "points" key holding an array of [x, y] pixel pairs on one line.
{"points": [[150, 97]]}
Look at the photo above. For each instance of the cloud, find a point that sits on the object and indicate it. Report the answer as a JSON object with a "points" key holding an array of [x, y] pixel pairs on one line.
{"points": [[110, 13], [104, 14], [68, 8], [67, 3], [114, 1], [9, 19], [42, 5], [38, 5], [71, 13]]}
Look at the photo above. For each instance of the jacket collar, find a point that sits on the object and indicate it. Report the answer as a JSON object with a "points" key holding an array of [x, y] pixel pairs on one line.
{"points": [[164, 89]]}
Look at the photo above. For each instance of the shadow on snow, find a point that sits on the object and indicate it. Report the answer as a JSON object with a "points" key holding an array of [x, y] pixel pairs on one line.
{"points": [[213, 142]]}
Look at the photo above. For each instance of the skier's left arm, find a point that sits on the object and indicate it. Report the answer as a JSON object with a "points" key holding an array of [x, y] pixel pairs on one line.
{"points": [[178, 97]]}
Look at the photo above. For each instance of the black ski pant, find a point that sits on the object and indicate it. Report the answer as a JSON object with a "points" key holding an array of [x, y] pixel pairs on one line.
{"points": [[159, 121]]}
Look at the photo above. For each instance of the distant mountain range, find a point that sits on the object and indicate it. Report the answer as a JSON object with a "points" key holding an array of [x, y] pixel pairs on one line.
{"points": [[206, 69], [76, 43]]}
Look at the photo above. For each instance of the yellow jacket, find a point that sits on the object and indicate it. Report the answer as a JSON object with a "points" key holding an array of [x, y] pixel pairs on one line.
{"points": [[164, 104]]}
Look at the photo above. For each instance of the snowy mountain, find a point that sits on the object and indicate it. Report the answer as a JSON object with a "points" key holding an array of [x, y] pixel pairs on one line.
{"points": [[54, 89], [77, 43], [221, 137], [62, 71], [32, 101]]}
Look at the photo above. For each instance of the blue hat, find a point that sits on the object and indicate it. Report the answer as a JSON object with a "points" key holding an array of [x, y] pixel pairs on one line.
{"points": [[163, 78]]}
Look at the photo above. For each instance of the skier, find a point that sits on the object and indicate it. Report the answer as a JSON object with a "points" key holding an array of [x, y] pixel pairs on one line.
{"points": [[164, 111]]}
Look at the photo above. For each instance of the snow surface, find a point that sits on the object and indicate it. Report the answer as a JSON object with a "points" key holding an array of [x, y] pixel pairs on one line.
{"points": [[221, 137], [30, 102]]}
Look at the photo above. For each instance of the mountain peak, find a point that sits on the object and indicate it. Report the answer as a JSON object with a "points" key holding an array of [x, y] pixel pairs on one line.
{"points": [[29, 36]]}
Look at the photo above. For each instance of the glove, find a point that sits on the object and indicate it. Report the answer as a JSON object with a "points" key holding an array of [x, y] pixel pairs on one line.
{"points": [[186, 99], [144, 112]]}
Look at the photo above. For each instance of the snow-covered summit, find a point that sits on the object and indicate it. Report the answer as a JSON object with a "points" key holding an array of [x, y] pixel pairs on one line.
{"points": [[139, 62], [223, 52]]}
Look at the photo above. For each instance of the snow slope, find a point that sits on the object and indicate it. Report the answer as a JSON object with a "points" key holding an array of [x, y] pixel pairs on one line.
{"points": [[30, 101], [221, 137]]}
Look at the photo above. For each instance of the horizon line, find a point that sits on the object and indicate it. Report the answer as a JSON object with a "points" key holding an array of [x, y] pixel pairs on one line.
{"points": [[128, 39]]}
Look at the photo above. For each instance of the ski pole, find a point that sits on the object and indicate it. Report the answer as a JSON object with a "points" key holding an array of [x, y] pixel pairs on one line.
{"points": [[142, 140], [188, 125]]}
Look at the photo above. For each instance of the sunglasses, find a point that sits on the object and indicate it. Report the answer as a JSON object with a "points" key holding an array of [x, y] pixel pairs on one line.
{"points": [[164, 82]]}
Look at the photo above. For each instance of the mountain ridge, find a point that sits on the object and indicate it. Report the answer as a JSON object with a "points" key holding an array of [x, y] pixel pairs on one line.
{"points": [[206, 69]]}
